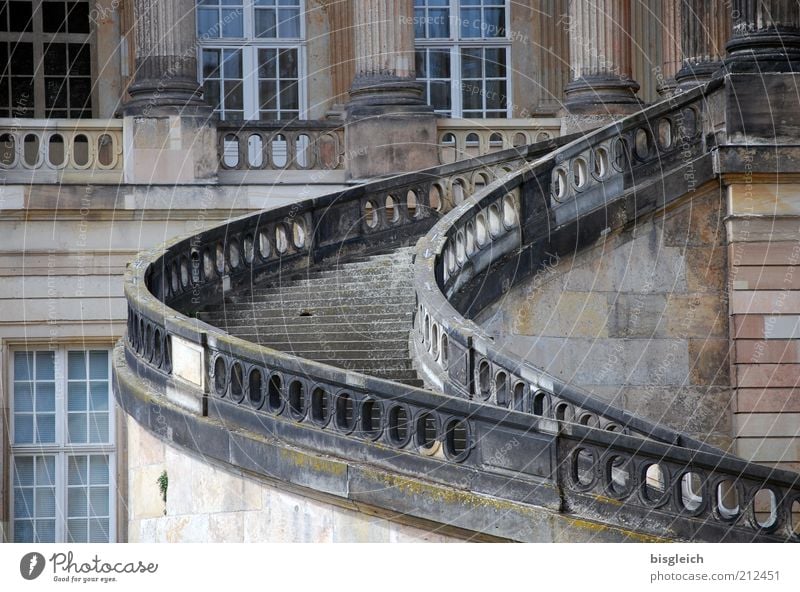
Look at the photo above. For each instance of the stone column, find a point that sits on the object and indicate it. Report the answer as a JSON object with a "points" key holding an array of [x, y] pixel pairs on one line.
{"points": [[671, 36], [766, 36], [390, 127], [705, 28], [169, 133], [600, 55]]}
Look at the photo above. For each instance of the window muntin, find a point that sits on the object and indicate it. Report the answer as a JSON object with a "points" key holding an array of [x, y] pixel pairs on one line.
{"points": [[62, 475], [473, 81], [256, 71]]}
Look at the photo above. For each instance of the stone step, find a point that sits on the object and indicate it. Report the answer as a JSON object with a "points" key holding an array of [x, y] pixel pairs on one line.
{"points": [[293, 302], [253, 318]]}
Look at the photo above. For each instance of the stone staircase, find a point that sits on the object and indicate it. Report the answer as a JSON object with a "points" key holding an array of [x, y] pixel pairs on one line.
{"points": [[355, 314]]}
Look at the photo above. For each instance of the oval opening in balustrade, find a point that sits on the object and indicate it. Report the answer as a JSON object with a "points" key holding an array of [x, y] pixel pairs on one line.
{"points": [[237, 382], [665, 133], [461, 249], [447, 148], [520, 139], [518, 396], [618, 476], [371, 415], [392, 211], [254, 388], [654, 483], [589, 419], [539, 404], [274, 395], [485, 379], [481, 232], [426, 335], [398, 424], [451, 258], [255, 151], [345, 415], [8, 150], [579, 172], [501, 389], [622, 155], [496, 141], [55, 150], [264, 246], [642, 143], [443, 356], [470, 238], [794, 514], [472, 143], [279, 148], [559, 184], [600, 162], [435, 198], [157, 349], [105, 150], [281, 240], [411, 203], [249, 248], [458, 192], [456, 438], [583, 466], [543, 136], [371, 214], [31, 150], [426, 431], [434, 345], [765, 508], [297, 399], [687, 125], [319, 405], [479, 181], [220, 259], [208, 264], [494, 220], [303, 151], [298, 234], [691, 489], [234, 253], [184, 272], [727, 495], [230, 151], [220, 376], [509, 212], [563, 412], [80, 150], [149, 342], [174, 277]]}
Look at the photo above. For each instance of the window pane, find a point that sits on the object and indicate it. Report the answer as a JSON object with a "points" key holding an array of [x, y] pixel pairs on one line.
{"points": [[80, 59], [77, 432], [207, 22], [23, 397], [495, 63], [211, 93], [78, 531], [45, 397], [211, 63], [233, 23], [77, 473], [232, 67], [98, 365], [54, 17], [23, 502], [494, 24], [439, 23], [420, 67], [288, 23], [23, 365], [76, 365], [471, 95], [98, 427], [76, 396], [289, 98], [46, 531], [99, 394], [45, 470], [288, 63], [265, 23], [45, 502], [77, 502], [98, 469], [45, 366], [268, 94], [98, 530], [495, 94], [419, 23], [440, 96], [98, 500], [23, 531], [78, 18], [19, 17], [470, 22], [471, 60], [23, 429], [267, 63], [46, 428], [55, 59], [234, 95], [440, 64]]}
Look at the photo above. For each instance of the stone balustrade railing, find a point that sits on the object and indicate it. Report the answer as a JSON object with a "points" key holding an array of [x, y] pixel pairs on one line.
{"points": [[61, 151], [506, 233], [468, 138], [254, 151]]}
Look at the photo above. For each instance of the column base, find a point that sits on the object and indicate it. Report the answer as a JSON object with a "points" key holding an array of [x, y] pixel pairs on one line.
{"points": [[602, 95], [692, 75], [389, 128], [169, 149], [775, 51]]}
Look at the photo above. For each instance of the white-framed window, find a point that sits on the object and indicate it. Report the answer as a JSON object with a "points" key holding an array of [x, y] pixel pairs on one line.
{"points": [[63, 457], [463, 53], [252, 58]]}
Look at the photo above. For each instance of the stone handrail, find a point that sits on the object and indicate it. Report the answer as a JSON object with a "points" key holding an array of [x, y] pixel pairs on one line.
{"points": [[61, 151], [466, 138], [505, 233]]}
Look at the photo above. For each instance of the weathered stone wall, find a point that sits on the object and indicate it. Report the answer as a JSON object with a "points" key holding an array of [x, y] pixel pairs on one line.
{"points": [[210, 504], [640, 319]]}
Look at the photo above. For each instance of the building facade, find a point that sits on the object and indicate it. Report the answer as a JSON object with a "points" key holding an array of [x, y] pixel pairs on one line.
{"points": [[127, 123]]}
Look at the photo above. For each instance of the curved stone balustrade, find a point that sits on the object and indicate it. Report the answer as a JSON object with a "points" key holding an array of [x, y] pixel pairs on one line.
{"points": [[61, 151], [468, 138], [249, 148], [505, 233]]}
